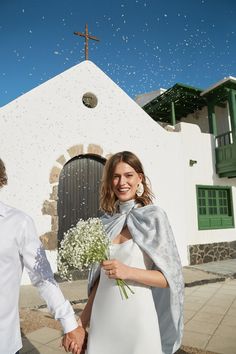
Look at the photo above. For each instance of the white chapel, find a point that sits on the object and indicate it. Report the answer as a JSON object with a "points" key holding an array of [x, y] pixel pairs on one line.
{"points": [[56, 138]]}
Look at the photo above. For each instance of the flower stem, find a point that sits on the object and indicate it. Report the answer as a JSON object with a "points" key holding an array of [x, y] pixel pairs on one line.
{"points": [[122, 287]]}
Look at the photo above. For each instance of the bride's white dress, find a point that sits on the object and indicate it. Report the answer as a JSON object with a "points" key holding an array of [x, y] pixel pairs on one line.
{"points": [[120, 326]]}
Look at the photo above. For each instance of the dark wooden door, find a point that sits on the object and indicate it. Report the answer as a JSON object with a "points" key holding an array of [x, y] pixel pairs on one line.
{"points": [[78, 191]]}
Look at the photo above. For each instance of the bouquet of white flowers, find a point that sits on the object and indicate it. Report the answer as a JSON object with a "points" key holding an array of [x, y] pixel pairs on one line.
{"points": [[83, 245]]}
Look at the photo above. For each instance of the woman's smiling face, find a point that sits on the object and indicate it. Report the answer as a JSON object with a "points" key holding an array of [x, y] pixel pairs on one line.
{"points": [[125, 182]]}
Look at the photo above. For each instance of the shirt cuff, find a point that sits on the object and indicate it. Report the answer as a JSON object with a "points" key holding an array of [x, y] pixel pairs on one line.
{"points": [[69, 324]]}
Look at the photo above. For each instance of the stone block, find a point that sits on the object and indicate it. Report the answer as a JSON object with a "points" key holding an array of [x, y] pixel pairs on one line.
{"points": [[95, 149], [76, 150], [61, 160], [49, 240], [193, 259], [233, 255], [54, 175], [54, 223], [207, 259], [54, 194], [49, 208]]}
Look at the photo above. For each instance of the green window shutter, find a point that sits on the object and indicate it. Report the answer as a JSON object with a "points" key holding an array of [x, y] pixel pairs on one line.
{"points": [[215, 207]]}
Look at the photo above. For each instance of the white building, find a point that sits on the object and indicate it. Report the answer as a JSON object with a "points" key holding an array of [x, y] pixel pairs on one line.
{"points": [[55, 139], [205, 120]]}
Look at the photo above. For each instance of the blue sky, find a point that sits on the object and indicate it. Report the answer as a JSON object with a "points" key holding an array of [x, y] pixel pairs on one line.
{"points": [[144, 45]]}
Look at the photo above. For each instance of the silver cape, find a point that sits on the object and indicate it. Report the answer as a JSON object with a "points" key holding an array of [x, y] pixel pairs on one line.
{"points": [[150, 229]]}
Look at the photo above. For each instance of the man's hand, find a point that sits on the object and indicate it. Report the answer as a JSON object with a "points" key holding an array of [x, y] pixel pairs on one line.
{"points": [[73, 341]]}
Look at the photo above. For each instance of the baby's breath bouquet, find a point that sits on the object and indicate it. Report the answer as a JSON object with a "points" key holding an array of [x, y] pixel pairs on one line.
{"points": [[83, 245]]}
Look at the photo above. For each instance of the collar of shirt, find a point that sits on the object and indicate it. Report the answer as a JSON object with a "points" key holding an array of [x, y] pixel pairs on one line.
{"points": [[3, 209]]}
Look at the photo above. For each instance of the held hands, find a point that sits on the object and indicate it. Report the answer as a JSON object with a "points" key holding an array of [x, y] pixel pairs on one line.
{"points": [[114, 269], [75, 341]]}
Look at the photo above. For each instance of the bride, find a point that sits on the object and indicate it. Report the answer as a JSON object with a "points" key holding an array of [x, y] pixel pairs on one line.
{"points": [[143, 253]]}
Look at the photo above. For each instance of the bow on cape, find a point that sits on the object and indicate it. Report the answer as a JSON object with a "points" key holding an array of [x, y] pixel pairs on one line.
{"points": [[150, 229]]}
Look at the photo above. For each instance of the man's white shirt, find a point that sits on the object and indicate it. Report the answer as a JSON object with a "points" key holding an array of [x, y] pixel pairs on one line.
{"points": [[20, 247]]}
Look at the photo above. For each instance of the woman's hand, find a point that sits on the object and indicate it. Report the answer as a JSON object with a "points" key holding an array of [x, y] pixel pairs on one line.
{"points": [[75, 340], [74, 348], [114, 269]]}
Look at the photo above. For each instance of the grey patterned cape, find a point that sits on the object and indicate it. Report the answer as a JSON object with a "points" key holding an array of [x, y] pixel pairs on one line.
{"points": [[150, 229]]}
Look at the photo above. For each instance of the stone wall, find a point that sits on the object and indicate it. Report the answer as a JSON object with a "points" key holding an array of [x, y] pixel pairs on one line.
{"points": [[211, 252]]}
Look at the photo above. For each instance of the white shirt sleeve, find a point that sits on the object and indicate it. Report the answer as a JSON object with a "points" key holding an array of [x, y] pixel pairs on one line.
{"points": [[41, 276]]}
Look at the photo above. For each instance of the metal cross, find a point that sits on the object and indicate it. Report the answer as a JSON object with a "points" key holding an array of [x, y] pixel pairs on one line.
{"points": [[87, 37]]}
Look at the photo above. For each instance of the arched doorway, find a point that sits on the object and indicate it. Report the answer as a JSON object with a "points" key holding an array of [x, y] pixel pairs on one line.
{"points": [[78, 190]]}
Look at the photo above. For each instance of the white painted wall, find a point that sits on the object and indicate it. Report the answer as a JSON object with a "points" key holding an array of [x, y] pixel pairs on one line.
{"points": [[200, 147], [200, 118], [41, 125]]}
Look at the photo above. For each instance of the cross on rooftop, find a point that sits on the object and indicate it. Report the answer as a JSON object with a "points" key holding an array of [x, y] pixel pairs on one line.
{"points": [[87, 36]]}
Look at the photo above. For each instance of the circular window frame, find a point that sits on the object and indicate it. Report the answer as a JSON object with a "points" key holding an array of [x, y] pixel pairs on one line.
{"points": [[89, 100]]}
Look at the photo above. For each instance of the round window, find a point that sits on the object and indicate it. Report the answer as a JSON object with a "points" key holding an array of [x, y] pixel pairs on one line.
{"points": [[90, 100]]}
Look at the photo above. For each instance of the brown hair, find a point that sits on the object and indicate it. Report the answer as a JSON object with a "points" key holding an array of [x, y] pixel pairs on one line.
{"points": [[107, 196], [3, 175]]}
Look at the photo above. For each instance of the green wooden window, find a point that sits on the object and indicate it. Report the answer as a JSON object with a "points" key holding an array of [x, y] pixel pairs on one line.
{"points": [[215, 207]]}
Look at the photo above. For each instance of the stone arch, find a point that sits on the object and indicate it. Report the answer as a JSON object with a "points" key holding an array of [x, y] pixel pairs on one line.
{"points": [[50, 239]]}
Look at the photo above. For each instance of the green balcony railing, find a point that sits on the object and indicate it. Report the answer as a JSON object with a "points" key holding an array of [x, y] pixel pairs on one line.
{"points": [[225, 155], [224, 139]]}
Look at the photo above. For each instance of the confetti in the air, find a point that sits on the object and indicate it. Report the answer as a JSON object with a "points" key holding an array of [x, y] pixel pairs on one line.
{"points": [[144, 44]]}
